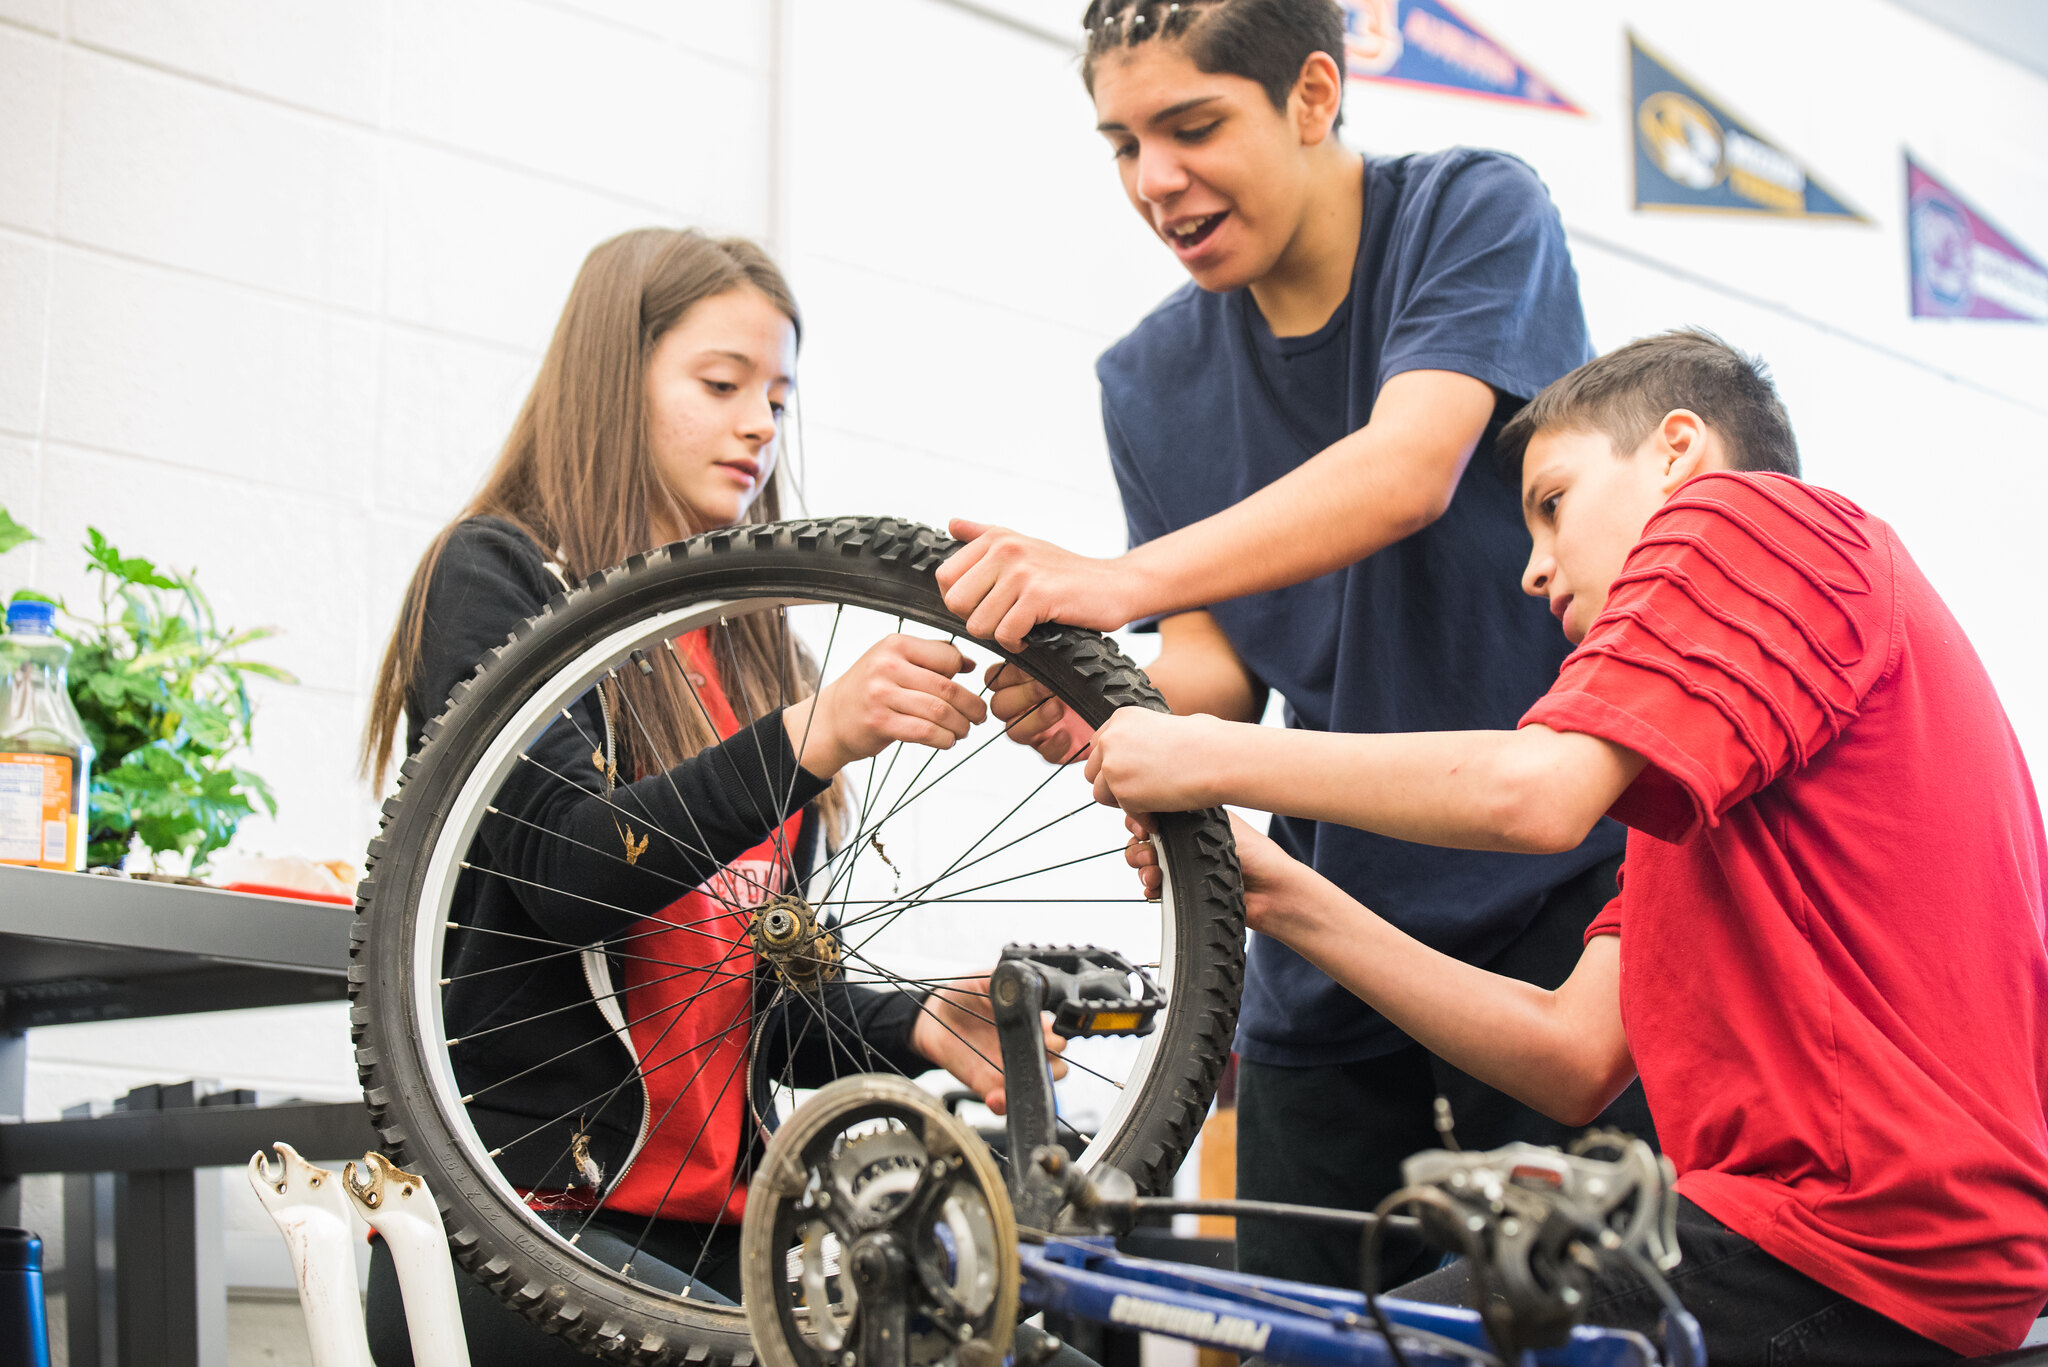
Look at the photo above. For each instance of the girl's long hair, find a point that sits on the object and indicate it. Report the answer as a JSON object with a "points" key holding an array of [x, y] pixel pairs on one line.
{"points": [[577, 476]]}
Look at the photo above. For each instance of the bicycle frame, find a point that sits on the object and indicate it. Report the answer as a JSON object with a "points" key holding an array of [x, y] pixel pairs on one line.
{"points": [[1284, 1322]]}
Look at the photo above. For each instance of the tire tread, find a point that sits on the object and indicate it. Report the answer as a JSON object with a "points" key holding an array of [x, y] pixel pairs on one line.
{"points": [[900, 558]]}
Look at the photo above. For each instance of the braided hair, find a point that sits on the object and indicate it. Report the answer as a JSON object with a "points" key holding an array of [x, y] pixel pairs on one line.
{"points": [[1261, 40]]}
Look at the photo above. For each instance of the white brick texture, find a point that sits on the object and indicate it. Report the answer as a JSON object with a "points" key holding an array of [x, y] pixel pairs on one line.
{"points": [[267, 558], [306, 53], [24, 311], [592, 104], [447, 405], [28, 129], [47, 15], [211, 376], [487, 252], [170, 170]]}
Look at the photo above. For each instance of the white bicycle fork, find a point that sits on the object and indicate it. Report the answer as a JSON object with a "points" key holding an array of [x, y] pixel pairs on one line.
{"points": [[311, 1207]]}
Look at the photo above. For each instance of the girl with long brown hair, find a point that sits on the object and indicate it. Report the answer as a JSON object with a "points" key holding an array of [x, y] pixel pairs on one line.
{"points": [[656, 415]]}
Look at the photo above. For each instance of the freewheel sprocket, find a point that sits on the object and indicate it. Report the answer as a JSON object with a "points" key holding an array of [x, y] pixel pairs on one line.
{"points": [[874, 1168]]}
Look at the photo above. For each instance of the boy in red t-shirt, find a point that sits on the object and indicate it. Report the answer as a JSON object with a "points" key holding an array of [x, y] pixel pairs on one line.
{"points": [[1826, 961]]}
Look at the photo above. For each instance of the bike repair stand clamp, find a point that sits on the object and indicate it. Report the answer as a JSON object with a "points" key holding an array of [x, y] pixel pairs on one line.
{"points": [[1090, 992]]}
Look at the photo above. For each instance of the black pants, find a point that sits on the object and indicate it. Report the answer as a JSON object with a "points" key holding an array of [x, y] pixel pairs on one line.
{"points": [[1336, 1135], [1754, 1310]]}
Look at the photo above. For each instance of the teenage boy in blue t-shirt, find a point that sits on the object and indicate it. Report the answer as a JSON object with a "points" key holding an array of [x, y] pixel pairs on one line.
{"points": [[1356, 331]]}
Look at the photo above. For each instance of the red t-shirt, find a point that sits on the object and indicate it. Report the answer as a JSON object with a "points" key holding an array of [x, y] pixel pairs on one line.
{"points": [[1832, 969], [688, 1005]]}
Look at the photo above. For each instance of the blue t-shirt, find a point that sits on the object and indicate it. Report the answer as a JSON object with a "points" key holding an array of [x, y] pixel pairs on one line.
{"points": [[1462, 265]]}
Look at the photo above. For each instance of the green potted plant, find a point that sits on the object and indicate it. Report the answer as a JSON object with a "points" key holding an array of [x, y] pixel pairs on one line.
{"points": [[163, 690]]}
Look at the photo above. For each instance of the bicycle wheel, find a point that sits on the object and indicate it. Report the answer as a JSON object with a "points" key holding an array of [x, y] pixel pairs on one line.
{"points": [[949, 855]]}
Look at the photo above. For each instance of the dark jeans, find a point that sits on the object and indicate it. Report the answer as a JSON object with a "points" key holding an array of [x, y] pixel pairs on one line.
{"points": [[1336, 1135], [1754, 1310]]}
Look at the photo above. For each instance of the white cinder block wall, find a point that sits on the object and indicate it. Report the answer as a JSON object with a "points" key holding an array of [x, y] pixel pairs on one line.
{"points": [[274, 277]]}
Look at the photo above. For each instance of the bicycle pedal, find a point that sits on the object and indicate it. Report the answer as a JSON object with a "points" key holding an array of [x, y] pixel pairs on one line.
{"points": [[1092, 991]]}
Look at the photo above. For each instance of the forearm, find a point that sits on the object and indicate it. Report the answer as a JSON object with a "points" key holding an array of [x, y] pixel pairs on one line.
{"points": [[1380, 484], [1561, 1052], [1324, 515], [1531, 791], [1198, 672]]}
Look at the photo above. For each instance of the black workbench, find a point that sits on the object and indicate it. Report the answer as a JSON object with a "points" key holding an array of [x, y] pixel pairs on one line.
{"points": [[83, 947]]}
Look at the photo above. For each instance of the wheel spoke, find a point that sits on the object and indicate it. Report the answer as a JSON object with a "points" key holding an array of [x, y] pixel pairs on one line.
{"points": [[917, 895], [918, 889], [913, 792], [702, 849], [898, 981], [654, 827], [684, 1162], [580, 897], [817, 686], [579, 1048], [983, 887], [721, 750], [761, 753], [604, 1096], [475, 1035]]}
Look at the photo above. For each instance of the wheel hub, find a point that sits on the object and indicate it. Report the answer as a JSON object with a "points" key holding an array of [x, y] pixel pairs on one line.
{"points": [[791, 940]]}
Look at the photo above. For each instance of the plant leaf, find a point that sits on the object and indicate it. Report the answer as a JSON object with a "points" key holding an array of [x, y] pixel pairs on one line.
{"points": [[127, 569], [156, 682], [12, 533]]}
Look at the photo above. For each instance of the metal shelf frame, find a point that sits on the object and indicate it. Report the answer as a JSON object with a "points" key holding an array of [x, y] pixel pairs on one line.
{"points": [[142, 1279]]}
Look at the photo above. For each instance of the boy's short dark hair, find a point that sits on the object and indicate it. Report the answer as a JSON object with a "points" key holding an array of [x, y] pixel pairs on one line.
{"points": [[1626, 393], [1261, 40]]}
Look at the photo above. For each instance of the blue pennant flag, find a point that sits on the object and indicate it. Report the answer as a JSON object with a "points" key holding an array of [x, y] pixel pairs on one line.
{"points": [[1427, 43], [1691, 153]]}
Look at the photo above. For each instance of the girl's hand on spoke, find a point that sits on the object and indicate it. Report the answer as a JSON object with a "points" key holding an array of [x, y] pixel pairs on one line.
{"points": [[902, 689], [1032, 716], [1146, 761], [956, 1030]]}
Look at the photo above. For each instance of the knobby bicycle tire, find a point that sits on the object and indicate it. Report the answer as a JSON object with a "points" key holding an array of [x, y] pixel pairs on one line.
{"points": [[881, 564]]}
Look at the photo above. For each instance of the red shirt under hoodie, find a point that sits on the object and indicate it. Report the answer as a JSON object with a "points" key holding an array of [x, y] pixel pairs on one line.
{"points": [[688, 1004], [1832, 970]]}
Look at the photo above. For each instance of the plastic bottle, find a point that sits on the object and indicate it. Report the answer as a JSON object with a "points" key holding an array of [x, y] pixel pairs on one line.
{"points": [[45, 759]]}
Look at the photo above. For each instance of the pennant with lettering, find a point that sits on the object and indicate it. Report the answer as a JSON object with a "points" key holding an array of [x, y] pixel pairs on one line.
{"points": [[1427, 43], [1962, 266], [1691, 153]]}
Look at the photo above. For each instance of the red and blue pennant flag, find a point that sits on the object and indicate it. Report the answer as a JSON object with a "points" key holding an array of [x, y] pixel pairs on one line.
{"points": [[1691, 153], [1962, 266], [1427, 43]]}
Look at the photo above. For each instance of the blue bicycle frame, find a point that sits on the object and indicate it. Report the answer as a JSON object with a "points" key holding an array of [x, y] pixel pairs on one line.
{"points": [[1292, 1322]]}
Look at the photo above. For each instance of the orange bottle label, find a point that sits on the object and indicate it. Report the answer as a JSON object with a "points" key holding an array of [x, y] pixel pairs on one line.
{"points": [[37, 825]]}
